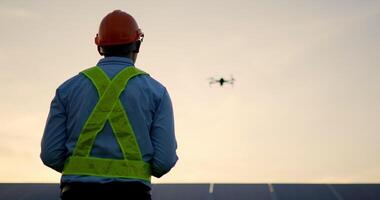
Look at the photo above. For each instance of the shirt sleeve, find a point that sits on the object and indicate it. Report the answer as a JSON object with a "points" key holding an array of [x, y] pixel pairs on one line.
{"points": [[163, 138], [53, 150]]}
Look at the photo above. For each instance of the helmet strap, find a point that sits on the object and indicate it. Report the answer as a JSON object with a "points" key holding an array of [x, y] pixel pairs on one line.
{"points": [[100, 51]]}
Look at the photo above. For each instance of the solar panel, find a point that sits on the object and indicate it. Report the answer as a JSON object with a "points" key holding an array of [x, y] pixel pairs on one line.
{"points": [[358, 191], [241, 192], [181, 192], [29, 191], [36, 191], [303, 192]]}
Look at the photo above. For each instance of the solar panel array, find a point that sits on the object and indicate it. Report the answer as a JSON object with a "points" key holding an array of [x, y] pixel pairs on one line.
{"points": [[33, 191]]}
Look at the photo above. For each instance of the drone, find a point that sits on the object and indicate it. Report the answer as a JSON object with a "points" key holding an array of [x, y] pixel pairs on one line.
{"points": [[221, 81]]}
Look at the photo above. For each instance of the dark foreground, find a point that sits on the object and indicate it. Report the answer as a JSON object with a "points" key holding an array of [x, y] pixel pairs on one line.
{"points": [[35, 191]]}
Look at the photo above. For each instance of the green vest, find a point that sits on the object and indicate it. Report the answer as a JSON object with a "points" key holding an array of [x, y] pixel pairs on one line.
{"points": [[108, 108]]}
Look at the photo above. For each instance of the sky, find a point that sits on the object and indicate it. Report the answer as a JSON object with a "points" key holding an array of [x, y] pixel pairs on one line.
{"points": [[305, 107]]}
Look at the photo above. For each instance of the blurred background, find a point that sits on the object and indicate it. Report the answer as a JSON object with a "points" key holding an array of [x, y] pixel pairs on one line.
{"points": [[305, 107]]}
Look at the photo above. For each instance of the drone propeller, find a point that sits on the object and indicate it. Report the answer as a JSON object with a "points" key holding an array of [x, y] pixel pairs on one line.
{"points": [[211, 80], [232, 79]]}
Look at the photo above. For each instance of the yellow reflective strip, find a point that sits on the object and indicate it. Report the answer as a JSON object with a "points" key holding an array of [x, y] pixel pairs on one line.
{"points": [[77, 165], [99, 114], [124, 133]]}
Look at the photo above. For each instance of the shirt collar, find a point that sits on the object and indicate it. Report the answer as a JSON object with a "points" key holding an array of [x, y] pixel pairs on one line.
{"points": [[115, 60]]}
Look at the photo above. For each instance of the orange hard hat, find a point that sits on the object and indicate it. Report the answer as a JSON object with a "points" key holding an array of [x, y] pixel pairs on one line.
{"points": [[117, 28]]}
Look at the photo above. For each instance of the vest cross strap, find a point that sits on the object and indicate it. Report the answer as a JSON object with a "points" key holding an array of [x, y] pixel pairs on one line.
{"points": [[108, 108]]}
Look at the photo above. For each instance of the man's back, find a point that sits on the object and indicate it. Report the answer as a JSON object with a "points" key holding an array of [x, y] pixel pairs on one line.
{"points": [[111, 127], [149, 110]]}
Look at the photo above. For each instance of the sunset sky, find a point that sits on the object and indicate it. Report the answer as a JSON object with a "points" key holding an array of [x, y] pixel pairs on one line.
{"points": [[305, 107]]}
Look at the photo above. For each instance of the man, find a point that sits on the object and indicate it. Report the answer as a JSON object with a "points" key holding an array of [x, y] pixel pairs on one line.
{"points": [[111, 126]]}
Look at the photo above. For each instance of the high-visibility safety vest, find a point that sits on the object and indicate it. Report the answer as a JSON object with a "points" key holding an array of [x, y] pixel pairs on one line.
{"points": [[108, 108]]}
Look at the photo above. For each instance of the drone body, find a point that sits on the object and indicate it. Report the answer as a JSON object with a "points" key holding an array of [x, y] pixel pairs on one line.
{"points": [[221, 81]]}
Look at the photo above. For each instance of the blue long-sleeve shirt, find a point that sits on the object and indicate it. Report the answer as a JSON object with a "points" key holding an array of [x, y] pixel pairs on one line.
{"points": [[149, 109]]}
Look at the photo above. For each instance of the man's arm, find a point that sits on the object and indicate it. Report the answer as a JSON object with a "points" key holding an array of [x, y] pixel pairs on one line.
{"points": [[163, 138], [53, 150]]}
